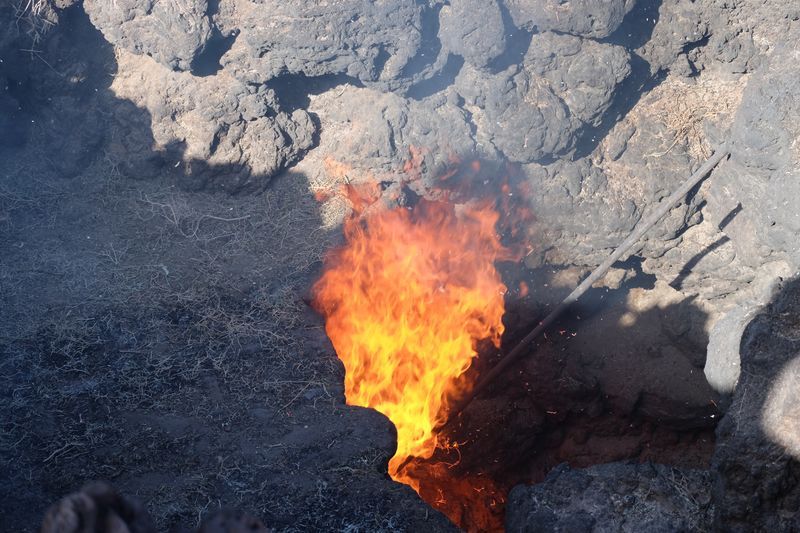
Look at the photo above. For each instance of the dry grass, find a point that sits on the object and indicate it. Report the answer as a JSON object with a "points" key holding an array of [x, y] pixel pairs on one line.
{"points": [[668, 124], [684, 107], [121, 298], [35, 18]]}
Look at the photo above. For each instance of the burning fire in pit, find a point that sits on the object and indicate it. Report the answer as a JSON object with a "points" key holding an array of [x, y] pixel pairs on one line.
{"points": [[407, 299]]}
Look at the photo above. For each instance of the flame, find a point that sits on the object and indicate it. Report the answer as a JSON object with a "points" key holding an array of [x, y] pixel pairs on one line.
{"points": [[406, 300]]}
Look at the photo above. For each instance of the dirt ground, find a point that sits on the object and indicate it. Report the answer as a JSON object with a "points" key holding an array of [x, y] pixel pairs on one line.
{"points": [[160, 340]]}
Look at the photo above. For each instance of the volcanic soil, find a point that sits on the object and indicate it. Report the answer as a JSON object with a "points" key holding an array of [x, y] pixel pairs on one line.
{"points": [[163, 341]]}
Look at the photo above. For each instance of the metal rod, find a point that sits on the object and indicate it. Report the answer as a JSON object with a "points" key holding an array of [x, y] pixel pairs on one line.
{"points": [[598, 273]]}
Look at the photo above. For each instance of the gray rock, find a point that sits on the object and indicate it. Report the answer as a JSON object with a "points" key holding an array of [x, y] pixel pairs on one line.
{"points": [[583, 73], [173, 33], [757, 460], [528, 121], [616, 497], [389, 137], [680, 23], [218, 132], [763, 174], [723, 361], [44, 96], [370, 42], [537, 110], [600, 220], [589, 18], [473, 29]]}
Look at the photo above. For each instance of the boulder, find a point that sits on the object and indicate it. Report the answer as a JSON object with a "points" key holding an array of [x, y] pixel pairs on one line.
{"points": [[372, 42], [588, 18], [763, 175], [473, 29], [218, 132], [757, 458], [172, 33], [582, 72], [537, 110]]}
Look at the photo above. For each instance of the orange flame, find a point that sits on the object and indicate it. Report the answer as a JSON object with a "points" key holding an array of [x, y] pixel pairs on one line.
{"points": [[406, 301]]}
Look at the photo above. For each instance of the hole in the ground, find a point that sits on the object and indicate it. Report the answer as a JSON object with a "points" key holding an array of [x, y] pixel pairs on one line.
{"points": [[618, 377]]}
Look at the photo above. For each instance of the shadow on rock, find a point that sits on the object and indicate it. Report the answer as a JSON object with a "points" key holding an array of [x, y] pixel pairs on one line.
{"points": [[757, 460]]}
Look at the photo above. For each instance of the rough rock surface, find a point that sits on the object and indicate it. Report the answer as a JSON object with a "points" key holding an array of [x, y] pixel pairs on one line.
{"points": [[536, 111], [589, 18], [478, 39], [97, 507], [383, 132], [46, 103], [757, 459], [517, 114], [583, 73], [613, 497], [723, 360], [369, 42], [202, 123], [680, 25], [763, 175], [173, 33]]}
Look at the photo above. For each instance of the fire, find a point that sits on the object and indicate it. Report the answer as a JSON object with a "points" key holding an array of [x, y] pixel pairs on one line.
{"points": [[406, 300]]}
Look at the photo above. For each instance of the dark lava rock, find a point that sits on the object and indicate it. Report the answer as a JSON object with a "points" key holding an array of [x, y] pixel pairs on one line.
{"points": [[46, 83], [173, 33], [473, 29], [382, 129], [680, 24], [216, 131], [517, 113], [536, 111], [590, 18], [583, 73], [757, 459], [613, 497], [373, 41], [762, 175], [97, 507]]}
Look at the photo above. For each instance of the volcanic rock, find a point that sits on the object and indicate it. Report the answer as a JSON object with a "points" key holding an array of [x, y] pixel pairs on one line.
{"points": [[536, 111], [723, 362], [680, 24], [374, 42], [204, 124], [583, 73], [97, 504], [757, 459], [522, 117], [589, 18], [373, 135], [474, 30], [762, 175], [171, 33], [46, 84]]}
